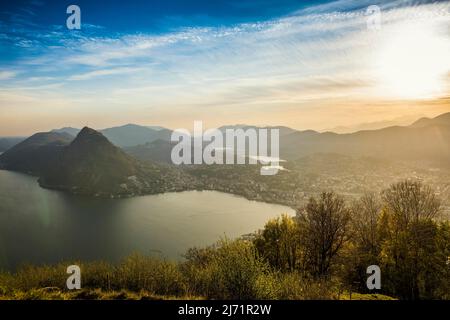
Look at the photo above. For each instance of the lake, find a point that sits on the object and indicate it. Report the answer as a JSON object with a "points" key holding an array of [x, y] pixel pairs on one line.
{"points": [[45, 226]]}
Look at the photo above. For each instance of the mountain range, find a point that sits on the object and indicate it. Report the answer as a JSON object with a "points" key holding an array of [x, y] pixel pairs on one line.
{"points": [[427, 139], [132, 159], [127, 135], [89, 164], [424, 140]]}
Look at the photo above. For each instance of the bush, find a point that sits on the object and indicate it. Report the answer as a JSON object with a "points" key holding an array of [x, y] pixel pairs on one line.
{"points": [[230, 270]]}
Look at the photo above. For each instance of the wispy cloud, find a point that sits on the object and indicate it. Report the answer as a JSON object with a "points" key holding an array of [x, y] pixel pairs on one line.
{"points": [[103, 72], [5, 75], [311, 57]]}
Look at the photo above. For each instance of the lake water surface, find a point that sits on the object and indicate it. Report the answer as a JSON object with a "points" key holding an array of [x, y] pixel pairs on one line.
{"points": [[45, 226]]}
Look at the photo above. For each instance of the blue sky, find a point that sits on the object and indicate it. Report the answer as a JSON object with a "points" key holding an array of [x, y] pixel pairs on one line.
{"points": [[35, 19], [152, 16], [306, 64]]}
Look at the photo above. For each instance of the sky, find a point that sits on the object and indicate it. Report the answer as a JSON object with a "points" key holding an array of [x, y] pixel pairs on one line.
{"points": [[304, 64]]}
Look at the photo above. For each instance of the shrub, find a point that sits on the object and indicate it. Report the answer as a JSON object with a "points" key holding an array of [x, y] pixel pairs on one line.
{"points": [[230, 270]]}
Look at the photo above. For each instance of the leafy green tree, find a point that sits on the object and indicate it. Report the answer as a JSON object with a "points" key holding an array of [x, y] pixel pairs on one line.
{"points": [[279, 243]]}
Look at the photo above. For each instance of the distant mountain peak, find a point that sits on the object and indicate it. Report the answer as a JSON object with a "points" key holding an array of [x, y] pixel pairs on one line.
{"points": [[69, 130], [131, 125], [442, 119], [133, 134]]}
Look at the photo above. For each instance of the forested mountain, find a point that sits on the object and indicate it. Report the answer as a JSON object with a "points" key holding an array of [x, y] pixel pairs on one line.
{"points": [[37, 154]]}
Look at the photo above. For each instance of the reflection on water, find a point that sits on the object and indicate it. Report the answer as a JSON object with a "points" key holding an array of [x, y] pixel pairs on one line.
{"points": [[44, 226]]}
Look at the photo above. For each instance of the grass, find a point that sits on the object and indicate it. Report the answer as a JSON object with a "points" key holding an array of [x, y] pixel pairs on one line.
{"points": [[228, 270], [365, 296], [87, 294]]}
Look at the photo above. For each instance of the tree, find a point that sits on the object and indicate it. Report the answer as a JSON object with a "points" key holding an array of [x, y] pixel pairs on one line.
{"points": [[409, 251], [365, 215], [365, 245], [324, 230], [442, 287], [279, 243]]}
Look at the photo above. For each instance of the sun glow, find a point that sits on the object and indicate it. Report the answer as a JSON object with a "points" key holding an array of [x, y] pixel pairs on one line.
{"points": [[413, 63]]}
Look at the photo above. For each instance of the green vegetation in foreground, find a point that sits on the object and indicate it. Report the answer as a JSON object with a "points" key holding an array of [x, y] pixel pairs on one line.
{"points": [[230, 270], [322, 253]]}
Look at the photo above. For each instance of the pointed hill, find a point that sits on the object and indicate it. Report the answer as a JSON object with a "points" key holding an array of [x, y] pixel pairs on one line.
{"points": [[90, 164]]}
